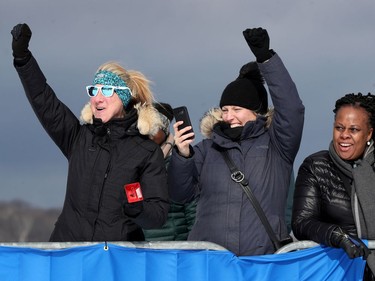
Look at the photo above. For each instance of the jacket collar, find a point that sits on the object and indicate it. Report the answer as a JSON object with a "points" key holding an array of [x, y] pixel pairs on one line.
{"points": [[118, 127], [210, 120], [142, 119]]}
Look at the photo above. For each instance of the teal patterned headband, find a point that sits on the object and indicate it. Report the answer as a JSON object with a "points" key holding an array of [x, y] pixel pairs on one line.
{"points": [[109, 78]]}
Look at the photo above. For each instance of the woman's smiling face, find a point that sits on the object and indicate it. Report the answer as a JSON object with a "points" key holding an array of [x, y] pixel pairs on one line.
{"points": [[237, 116], [351, 132]]}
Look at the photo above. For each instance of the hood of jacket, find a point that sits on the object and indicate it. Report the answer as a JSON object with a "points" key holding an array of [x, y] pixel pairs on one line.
{"points": [[214, 116], [148, 121]]}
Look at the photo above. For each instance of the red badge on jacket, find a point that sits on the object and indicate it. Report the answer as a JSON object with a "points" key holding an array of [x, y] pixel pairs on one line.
{"points": [[133, 192]]}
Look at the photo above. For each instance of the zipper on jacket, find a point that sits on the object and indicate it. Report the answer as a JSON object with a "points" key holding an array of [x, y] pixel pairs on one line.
{"points": [[101, 192]]}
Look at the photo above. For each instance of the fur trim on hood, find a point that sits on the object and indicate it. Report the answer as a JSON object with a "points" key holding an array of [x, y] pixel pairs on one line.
{"points": [[149, 121], [209, 119], [214, 115]]}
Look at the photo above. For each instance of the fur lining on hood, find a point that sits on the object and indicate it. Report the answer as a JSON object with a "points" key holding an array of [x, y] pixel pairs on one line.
{"points": [[214, 115], [209, 119], [149, 121]]}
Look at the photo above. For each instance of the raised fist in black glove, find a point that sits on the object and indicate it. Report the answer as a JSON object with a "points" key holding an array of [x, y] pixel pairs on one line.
{"points": [[353, 246], [259, 43], [20, 44]]}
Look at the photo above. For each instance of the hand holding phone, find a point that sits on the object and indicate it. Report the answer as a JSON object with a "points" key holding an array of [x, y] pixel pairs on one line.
{"points": [[181, 114]]}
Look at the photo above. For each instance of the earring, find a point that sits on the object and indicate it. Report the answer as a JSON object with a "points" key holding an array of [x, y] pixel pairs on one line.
{"points": [[368, 143]]}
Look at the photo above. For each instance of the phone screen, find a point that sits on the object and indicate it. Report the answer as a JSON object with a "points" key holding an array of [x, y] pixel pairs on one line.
{"points": [[181, 114]]}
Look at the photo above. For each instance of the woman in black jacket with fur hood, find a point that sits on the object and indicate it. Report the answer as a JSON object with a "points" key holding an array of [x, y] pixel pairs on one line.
{"points": [[117, 181]]}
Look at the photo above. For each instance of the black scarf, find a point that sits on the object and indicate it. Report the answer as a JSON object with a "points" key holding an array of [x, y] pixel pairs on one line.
{"points": [[235, 134], [224, 129]]}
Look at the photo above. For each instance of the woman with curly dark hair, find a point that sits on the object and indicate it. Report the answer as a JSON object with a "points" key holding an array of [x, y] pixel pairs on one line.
{"points": [[334, 196]]}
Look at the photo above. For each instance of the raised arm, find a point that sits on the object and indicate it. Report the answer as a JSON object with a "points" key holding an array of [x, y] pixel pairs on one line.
{"points": [[288, 118], [57, 119]]}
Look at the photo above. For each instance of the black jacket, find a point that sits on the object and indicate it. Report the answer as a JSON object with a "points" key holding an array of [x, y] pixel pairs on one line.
{"points": [[321, 201], [102, 159]]}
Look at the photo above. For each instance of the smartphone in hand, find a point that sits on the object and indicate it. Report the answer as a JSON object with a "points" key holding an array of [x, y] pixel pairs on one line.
{"points": [[181, 114]]}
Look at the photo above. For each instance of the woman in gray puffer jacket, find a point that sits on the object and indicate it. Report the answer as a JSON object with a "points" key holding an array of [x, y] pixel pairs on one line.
{"points": [[263, 149]]}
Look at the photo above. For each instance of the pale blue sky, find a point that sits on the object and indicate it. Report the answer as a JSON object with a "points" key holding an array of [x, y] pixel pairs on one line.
{"points": [[190, 49]]}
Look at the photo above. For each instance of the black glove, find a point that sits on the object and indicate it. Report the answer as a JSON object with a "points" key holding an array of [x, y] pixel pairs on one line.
{"points": [[133, 209], [20, 44], [259, 43], [353, 246]]}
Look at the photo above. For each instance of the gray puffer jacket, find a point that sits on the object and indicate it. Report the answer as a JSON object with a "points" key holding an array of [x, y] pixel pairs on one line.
{"points": [[265, 154]]}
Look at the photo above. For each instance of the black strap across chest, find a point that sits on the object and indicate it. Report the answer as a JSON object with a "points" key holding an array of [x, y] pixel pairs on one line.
{"points": [[238, 177]]}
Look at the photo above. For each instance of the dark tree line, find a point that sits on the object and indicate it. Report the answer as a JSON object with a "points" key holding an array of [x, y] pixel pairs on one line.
{"points": [[20, 222]]}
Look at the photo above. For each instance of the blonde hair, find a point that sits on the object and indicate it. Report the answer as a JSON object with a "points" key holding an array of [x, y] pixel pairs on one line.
{"points": [[136, 81]]}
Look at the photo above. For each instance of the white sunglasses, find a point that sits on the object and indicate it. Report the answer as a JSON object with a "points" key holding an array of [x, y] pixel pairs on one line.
{"points": [[106, 90]]}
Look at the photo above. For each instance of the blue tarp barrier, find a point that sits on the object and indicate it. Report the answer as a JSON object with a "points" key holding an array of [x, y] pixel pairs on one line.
{"points": [[115, 263]]}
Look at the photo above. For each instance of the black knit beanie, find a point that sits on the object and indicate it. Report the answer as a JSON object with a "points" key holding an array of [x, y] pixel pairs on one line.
{"points": [[164, 109], [247, 90]]}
